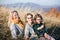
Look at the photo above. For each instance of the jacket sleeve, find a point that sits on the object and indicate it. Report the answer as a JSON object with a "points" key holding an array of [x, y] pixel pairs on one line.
{"points": [[26, 31], [13, 30]]}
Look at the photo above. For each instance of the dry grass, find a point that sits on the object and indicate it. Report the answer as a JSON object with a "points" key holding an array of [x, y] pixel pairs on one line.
{"points": [[50, 18]]}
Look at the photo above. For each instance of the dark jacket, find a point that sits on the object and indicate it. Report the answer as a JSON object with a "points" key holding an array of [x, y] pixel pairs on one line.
{"points": [[39, 32]]}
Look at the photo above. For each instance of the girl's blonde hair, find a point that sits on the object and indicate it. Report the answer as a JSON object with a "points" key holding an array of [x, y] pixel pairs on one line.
{"points": [[10, 18]]}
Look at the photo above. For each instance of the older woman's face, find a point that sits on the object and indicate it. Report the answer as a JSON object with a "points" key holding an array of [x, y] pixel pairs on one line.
{"points": [[14, 15], [29, 18], [38, 20]]}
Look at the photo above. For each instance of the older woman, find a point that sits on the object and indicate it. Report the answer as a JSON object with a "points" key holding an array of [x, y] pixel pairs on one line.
{"points": [[29, 32]]}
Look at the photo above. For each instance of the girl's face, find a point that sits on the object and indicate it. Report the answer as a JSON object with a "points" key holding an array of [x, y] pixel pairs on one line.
{"points": [[29, 19], [14, 15], [38, 20]]}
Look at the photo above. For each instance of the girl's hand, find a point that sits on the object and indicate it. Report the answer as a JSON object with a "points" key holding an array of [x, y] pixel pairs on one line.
{"points": [[39, 28], [47, 36]]}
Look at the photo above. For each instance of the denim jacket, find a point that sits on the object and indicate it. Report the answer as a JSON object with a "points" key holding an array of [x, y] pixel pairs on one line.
{"points": [[15, 30], [28, 30]]}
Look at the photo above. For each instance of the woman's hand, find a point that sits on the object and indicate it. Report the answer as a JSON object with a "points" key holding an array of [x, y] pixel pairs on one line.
{"points": [[39, 28]]}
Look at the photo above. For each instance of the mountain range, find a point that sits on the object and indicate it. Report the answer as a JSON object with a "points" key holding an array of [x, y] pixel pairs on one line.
{"points": [[32, 6]]}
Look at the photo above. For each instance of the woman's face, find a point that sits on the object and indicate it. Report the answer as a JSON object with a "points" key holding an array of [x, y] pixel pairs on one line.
{"points": [[14, 15], [38, 20], [29, 18]]}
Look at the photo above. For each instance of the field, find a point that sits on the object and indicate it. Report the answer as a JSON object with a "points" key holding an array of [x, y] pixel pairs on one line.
{"points": [[51, 20]]}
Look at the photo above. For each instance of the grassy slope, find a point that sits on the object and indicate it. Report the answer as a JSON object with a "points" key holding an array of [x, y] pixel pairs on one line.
{"points": [[50, 20]]}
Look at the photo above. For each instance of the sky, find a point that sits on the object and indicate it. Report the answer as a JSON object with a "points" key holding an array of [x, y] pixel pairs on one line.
{"points": [[40, 2]]}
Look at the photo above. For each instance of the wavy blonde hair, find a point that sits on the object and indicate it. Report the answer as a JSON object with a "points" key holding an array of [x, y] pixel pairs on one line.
{"points": [[10, 18]]}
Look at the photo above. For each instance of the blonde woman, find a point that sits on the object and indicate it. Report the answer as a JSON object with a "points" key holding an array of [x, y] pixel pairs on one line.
{"points": [[16, 25]]}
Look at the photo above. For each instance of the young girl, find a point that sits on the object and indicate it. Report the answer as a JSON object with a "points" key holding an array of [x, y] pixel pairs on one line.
{"points": [[29, 32], [40, 28], [16, 25]]}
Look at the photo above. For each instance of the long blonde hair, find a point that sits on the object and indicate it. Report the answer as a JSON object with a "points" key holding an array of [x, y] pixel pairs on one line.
{"points": [[10, 18]]}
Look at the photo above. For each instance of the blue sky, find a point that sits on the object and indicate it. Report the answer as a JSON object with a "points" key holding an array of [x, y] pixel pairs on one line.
{"points": [[40, 2]]}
